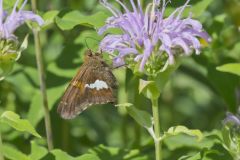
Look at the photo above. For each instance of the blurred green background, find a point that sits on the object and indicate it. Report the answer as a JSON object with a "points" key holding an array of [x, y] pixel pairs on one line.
{"points": [[196, 96]]}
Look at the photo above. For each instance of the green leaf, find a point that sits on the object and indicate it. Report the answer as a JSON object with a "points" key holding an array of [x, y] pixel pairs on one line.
{"points": [[226, 137], [149, 89], [36, 113], [37, 152], [12, 119], [108, 153], [13, 154], [7, 62], [227, 92], [60, 155], [73, 18], [49, 17], [200, 7], [141, 117], [233, 68], [197, 9], [11, 3], [152, 88], [22, 47], [201, 155], [173, 131]]}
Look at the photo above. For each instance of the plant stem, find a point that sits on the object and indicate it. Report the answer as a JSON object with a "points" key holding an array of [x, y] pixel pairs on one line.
{"points": [[1, 148], [41, 74], [158, 145]]}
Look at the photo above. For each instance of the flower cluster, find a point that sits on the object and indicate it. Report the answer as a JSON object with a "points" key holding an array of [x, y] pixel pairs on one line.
{"points": [[231, 119], [231, 134], [148, 33], [10, 49], [10, 22]]}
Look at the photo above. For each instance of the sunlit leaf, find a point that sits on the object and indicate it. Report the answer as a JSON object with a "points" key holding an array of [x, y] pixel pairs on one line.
{"points": [[37, 152], [107, 153], [233, 68], [173, 131], [61, 155], [149, 89], [49, 17], [200, 7], [201, 155], [12, 119], [227, 92], [7, 62], [13, 154], [197, 9], [10, 3], [73, 18], [23, 46]]}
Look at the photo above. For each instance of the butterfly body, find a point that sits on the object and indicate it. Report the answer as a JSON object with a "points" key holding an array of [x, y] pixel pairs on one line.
{"points": [[93, 84]]}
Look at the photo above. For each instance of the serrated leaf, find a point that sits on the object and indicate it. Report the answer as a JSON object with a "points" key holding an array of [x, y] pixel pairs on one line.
{"points": [[173, 131], [61, 155], [233, 68], [73, 18], [141, 117], [37, 152], [12, 119]]}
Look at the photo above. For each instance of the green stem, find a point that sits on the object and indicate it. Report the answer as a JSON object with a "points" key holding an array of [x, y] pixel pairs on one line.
{"points": [[1, 148], [41, 74], [158, 145]]}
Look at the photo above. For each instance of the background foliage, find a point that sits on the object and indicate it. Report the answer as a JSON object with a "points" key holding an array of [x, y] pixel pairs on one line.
{"points": [[197, 96]]}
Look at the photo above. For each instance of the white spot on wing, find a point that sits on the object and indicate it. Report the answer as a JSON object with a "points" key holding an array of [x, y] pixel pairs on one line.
{"points": [[98, 84]]}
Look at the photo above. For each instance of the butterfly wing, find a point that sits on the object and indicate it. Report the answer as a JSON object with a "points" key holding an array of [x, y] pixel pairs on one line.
{"points": [[90, 86]]}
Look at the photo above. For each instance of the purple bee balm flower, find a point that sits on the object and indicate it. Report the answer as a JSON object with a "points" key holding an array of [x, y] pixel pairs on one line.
{"points": [[9, 23], [148, 32], [232, 119]]}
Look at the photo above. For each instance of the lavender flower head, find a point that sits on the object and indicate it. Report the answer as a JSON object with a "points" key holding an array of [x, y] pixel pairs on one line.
{"points": [[10, 49], [149, 35], [10, 22], [231, 119]]}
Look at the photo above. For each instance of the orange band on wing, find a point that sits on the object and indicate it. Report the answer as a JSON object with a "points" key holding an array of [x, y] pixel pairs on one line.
{"points": [[77, 84]]}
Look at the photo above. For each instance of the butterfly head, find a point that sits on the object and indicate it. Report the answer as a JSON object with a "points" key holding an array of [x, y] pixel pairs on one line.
{"points": [[95, 58]]}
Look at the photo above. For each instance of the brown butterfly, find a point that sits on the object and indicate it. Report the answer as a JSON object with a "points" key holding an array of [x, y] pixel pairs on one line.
{"points": [[93, 84]]}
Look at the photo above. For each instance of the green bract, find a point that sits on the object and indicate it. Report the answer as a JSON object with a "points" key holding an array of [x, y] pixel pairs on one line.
{"points": [[10, 52]]}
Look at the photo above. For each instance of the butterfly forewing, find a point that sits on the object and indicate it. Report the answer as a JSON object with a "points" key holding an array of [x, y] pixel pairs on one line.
{"points": [[93, 84]]}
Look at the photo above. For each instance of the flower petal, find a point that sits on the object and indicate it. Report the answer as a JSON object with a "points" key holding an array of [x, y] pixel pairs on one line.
{"points": [[180, 42], [18, 18]]}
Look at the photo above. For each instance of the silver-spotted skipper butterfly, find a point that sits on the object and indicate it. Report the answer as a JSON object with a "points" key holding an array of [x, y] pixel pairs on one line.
{"points": [[93, 84]]}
